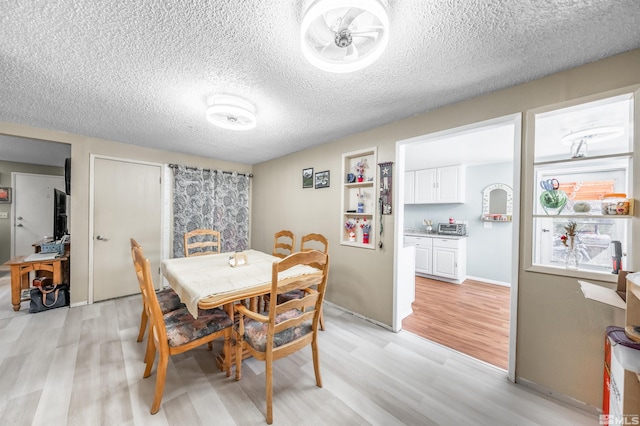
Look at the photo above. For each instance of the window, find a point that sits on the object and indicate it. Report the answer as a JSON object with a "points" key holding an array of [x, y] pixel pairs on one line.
{"points": [[582, 154]]}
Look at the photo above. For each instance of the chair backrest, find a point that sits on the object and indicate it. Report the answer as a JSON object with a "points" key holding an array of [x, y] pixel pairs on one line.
{"points": [[312, 299], [283, 243], [314, 242], [138, 268], [201, 241], [158, 330]]}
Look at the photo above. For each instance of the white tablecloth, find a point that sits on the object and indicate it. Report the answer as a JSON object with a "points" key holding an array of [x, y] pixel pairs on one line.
{"points": [[197, 277]]}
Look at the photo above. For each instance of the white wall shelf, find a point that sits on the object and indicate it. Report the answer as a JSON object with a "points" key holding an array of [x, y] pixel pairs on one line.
{"points": [[363, 193]]}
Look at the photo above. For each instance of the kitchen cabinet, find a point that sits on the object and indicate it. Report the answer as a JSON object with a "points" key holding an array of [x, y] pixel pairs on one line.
{"points": [[424, 255], [439, 185], [359, 198], [440, 257]]}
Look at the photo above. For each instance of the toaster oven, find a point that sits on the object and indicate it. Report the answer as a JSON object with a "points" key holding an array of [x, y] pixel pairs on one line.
{"points": [[452, 229]]}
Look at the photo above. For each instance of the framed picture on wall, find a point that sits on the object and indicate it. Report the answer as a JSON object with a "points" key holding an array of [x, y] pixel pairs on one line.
{"points": [[322, 179], [307, 178], [5, 195]]}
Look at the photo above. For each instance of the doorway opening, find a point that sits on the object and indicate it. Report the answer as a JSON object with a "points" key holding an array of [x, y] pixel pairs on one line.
{"points": [[469, 306]]}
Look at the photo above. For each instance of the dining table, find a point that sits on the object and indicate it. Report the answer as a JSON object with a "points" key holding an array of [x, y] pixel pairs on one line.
{"points": [[210, 281]]}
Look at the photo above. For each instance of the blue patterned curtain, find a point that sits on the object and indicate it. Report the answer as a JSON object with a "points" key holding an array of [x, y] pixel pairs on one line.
{"points": [[214, 200]]}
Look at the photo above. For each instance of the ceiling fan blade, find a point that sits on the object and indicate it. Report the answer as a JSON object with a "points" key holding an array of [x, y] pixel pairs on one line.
{"points": [[352, 52], [348, 17], [334, 52], [373, 31], [371, 35], [320, 32]]}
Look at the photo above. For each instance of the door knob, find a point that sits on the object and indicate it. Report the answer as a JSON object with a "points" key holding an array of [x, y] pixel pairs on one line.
{"points": [[19, 225], [101, 238], [19, 217]]}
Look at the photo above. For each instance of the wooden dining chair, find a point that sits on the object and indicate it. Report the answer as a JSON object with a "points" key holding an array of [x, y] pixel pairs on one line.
{"points": [[201, 241], [287, 327], [307, 243], [284, 243], [167, 299], [178, 331]]}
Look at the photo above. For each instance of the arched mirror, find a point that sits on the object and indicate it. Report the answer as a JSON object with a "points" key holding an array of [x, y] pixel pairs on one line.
{"points": [[497, 203]]}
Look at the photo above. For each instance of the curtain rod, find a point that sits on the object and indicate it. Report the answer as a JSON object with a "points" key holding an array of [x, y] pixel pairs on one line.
{"points": [[175, 166]]}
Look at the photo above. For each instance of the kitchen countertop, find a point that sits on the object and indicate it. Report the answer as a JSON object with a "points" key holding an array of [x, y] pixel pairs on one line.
{"points": [[424, 233]]}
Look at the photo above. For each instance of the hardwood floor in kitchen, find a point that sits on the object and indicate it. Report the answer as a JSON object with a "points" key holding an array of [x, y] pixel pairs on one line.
{"points": [[472, 318]]}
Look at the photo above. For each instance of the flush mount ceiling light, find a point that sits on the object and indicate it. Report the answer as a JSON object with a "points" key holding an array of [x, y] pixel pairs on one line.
{"points": [[231, 112], [344, 36], [594, 134]]}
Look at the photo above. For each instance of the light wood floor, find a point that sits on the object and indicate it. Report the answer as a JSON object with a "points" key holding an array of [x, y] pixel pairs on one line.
{"points": [[82, 366], [472, 318]]}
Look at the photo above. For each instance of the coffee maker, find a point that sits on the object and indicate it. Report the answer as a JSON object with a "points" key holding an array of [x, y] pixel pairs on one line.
{"points": [[616, 256]]}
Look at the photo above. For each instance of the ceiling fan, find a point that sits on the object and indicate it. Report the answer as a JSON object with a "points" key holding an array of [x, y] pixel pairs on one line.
{"points": [[339, 36]]}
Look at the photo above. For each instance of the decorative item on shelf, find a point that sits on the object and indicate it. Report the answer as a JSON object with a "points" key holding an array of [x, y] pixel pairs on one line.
{"points": [[552, 198], [350, 226], [360, 167], [569, 241], [429, 224], [616, 204], [366, 227], [581, 207], [351, 178], [360, 196]]}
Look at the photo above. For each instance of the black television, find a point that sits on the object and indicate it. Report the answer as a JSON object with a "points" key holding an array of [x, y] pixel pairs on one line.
{"points": [[59, 214]]}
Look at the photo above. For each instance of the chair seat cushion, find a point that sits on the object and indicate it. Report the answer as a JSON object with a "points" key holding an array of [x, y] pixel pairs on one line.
{"points": [[183, 328], [291, 295], [255, 332], [169, 300]]}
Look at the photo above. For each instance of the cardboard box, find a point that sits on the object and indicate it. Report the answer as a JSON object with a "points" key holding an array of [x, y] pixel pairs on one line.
{"points": [[616, 298]]}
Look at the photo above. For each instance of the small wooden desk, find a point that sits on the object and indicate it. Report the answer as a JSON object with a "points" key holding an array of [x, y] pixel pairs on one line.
{"points": [[20, 274]]}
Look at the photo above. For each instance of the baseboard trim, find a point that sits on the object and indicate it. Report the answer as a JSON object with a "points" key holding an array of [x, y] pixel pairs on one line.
{"points": [[355, 314], [488, 281], [559, 396]]}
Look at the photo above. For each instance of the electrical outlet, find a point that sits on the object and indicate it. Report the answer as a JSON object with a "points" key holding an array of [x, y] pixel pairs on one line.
{"points": [[4, 215]]}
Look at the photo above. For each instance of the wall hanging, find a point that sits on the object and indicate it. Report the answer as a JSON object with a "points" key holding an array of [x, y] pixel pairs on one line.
{"points": [[386, 180]]}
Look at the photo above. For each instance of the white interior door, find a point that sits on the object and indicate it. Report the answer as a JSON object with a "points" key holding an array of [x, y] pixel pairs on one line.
{"points": [[33, 209], [127, 203]]}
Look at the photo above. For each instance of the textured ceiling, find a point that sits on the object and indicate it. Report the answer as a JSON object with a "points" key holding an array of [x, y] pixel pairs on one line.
{"points": [[140, 72]]}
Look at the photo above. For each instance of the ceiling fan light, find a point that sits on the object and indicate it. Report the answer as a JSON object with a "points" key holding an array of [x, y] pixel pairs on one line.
{"points": [[360, 46], [231, 112]]}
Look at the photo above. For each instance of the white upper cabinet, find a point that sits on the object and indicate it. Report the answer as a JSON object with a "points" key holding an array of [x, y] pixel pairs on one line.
{"points": [[438, 186]]}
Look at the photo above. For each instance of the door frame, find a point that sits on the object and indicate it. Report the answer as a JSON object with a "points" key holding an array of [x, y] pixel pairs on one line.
{"points": [[92, 159], [516, 120]]}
